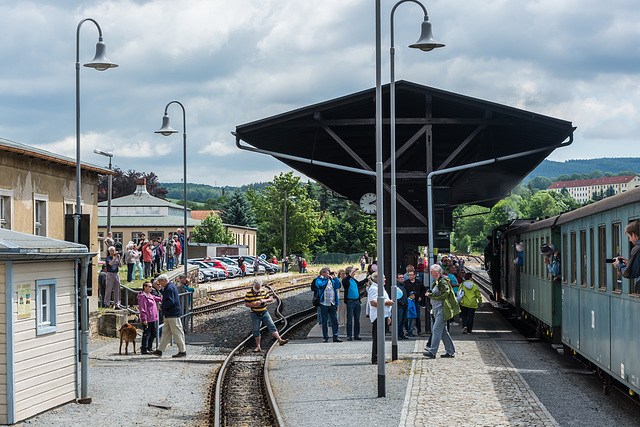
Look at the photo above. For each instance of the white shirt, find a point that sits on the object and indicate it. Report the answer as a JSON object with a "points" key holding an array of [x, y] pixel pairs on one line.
{"points": [[372, 295]]}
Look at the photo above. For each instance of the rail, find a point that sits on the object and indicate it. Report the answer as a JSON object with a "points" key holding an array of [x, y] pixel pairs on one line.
{"points": [[286, 329]]}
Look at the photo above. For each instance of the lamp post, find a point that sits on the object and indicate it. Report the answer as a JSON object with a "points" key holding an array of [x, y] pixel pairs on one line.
{"points": [[167, 130], [426, 42], [109, 188], [284, 237], [100, 62]]}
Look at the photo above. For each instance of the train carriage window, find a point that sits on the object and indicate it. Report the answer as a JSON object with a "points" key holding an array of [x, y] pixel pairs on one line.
{"points": [[537, 268], [615, 240], [583, 257], [574, 263], [592, 257], [565, 249], [602, 256]]}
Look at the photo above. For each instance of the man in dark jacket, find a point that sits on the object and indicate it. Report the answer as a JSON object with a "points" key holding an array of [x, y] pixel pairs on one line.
{"points": [[171, 311], [415, 285], [401, 306], [630, 268]]}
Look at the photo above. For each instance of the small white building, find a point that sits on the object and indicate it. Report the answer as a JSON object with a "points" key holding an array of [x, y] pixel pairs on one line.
{"points": [[39, 334]]}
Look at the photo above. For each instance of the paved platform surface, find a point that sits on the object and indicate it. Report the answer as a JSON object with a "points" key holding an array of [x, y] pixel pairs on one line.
{"points": [[319, 384]]}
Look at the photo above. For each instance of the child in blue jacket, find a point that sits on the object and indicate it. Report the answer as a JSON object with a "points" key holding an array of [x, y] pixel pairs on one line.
{"points": [[411, 314]]}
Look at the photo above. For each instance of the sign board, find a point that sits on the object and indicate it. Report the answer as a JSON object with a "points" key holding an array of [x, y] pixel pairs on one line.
{"points": [[24, 301]]}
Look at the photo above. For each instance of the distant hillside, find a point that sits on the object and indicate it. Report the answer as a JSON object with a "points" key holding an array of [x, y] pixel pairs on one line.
{"points": [[551, 169], [202, 192]]}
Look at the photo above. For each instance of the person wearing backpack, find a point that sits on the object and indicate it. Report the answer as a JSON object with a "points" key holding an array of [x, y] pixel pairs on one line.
{"points": [[470, 299]]}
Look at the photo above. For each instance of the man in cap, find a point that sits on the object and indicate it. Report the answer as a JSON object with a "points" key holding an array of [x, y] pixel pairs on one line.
{"points": [[171, 311], [552, 260]]}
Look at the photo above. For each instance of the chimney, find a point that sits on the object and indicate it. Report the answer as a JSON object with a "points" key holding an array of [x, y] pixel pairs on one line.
{"points": [[141, 186]]}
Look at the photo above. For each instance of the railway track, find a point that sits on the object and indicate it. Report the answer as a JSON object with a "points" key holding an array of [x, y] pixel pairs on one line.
{"points": [[241, 394], [231, 302]]}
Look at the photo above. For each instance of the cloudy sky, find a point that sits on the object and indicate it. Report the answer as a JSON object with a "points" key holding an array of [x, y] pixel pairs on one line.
{"points": [[235, 61]]}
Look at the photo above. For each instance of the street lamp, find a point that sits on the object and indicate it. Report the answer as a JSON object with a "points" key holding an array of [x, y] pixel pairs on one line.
{"points": [[100, 63], [426, 42], [284, 237], [167, 130], [109, 188]]}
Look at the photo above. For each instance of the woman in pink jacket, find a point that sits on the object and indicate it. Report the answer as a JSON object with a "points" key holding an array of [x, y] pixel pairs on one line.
{"points": [[148, 306]]}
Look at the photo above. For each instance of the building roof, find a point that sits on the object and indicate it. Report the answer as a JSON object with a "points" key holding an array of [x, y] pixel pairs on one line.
{"points": [[147, 221], [15, 245], [16, 147], [200, 215], [605, 180], [141, 198], [435, 130]]}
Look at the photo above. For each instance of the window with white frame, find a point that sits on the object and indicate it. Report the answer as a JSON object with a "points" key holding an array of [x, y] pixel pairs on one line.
{"points": [[40, 214], [6, 208], [46, 310]]}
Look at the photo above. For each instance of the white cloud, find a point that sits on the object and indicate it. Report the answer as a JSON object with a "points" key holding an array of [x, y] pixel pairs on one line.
{"points": [[219, 149]]}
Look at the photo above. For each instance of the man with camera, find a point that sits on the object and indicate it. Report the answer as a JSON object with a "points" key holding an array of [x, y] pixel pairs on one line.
{"points": [[113, 263], [327, 285], [630, 268]]}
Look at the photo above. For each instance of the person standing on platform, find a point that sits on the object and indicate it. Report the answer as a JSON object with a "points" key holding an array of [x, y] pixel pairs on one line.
{"points": [[630, 268], [327, 285], [102, 284], [412, 284], [342, 308], [256, 266], [113, 263], [363, 262], [372, 297], [470, 299], [285, 265], [411, 314], [148, 305], [353, 303], [444, 307], [241, 265], [171, 312], [403, 301], [257, 299]]}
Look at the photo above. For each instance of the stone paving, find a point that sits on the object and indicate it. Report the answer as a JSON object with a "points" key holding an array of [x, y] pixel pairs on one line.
{"points": [[479, 386]]}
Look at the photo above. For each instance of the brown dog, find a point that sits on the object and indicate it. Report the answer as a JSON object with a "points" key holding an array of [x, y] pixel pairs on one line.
{"points": [[128, 333]]}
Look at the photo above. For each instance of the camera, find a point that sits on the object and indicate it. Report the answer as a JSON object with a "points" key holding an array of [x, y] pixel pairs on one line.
{"points": [[331, 273], [612, 260]]}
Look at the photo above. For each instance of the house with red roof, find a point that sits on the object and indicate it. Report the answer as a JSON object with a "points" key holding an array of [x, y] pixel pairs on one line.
{"points": [[584, 189]]}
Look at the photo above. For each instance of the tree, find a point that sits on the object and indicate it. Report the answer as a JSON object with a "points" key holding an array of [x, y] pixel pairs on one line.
{"points": [[539, 183], [190, 205], [211, 230], [124, 183], [238, 211], [610, 192], [302, 215]]}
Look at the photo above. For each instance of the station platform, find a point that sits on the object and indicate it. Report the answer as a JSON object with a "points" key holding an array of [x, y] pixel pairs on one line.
{"points": [[318, 384]]}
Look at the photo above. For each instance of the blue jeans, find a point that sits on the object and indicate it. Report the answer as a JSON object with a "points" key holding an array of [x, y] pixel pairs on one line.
{"points": [[353, 317], [329, 311], [170, 262], [402, 321], [130, 272], [440, 332], [410, 323], [418, 326], [257, 320]]}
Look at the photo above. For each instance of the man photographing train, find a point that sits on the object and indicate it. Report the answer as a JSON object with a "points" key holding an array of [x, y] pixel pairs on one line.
{"points": [[630, 268]]}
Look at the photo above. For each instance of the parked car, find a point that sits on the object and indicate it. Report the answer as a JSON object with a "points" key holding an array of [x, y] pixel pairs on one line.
{"points": [[232, 266], [248, 264], [269, 268], [206, 273]]}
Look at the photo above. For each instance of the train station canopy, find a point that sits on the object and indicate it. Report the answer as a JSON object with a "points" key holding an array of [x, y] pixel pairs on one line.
{"points": [[435, 130]]}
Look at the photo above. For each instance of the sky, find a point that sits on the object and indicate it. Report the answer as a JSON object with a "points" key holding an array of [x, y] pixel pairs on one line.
{"points": [[230, 62]]}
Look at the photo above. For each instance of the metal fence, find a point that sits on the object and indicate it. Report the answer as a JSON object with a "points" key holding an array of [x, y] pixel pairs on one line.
{"points": [[337, 258]]}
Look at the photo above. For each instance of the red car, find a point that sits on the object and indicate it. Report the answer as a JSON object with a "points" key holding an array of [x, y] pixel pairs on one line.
{"points": [[217, 264]]}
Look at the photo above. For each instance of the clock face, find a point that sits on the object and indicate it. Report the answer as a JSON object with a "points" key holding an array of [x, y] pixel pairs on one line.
{"points": [[368, 203]]}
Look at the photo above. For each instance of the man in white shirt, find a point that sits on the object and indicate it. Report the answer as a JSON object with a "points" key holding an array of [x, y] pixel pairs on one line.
{"points": [[372, 297]]}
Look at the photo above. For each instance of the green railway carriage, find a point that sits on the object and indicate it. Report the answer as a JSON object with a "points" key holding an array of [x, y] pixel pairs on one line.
{"points": [[592, 310]]}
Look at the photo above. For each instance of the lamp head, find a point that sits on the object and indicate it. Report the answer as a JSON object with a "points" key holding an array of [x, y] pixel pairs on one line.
{"points": [[426, 42], [100, 62], [103, 153], [166, 128]]}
